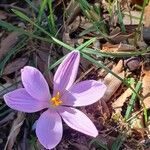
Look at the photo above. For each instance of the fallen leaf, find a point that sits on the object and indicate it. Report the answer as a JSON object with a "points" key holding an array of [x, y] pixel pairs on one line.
{"points": [[121, 37], [132, 17], [112, 82], [42, 62], [117, 47], [146, 85], [9, 117], [116, 69], [146, 15], [7, 43], [133, 63], [15, 65], [3, 15], [7, 87], [15, 129], [137, 124], [138, 2], [117, 105], [104, 109], [72, 11]]}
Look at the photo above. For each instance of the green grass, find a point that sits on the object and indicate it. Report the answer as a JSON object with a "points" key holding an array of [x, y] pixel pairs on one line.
{"points": [[48, 33]]}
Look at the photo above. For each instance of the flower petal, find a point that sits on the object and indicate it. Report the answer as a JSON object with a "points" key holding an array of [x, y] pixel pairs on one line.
{"points": [[49, 129], [66, 72], [35, 83], [20, 100], [78, 121], [84, 93]]}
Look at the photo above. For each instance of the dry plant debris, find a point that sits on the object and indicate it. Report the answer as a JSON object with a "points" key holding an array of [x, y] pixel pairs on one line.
{"points": [[120, 31]]}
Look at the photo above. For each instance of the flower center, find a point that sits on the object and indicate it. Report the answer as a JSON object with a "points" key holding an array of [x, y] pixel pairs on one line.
{"points": [[56, 101]]}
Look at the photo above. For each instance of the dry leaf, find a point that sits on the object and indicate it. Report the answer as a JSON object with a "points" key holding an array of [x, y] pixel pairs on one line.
{"points": [[137, 124], [117, 47], [146, 15], [104, 110], [130, 18], [9, 117], [42, 62], [121, 37], [15, 65], [15, 129], [132, 63], [7, 87], [146, 90], [7, 43], [3, 15], [138, 2], [112, 82], [72, 10], [117, 105], [116, 69], [146, 85]]}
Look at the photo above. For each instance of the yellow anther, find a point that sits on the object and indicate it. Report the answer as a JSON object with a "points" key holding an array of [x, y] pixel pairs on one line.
{"points": [[56, 100]]}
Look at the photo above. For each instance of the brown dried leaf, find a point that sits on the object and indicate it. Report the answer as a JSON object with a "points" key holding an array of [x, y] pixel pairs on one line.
{"points": [[112, 82], [137, 124], [116, 69], [7, 43], [146, 85], [72, 10], [117, 105], [15, 129], [9, 117], [117, 48], [10, 86], [3, 15], [42, 62], [121, 37], [146, 90], [138, 2], [130, 18], [15, 65], [146, 15], [104, 109]]}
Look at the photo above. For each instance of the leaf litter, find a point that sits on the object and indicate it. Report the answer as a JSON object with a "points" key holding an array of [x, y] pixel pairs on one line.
{"points": [[118, 35]]}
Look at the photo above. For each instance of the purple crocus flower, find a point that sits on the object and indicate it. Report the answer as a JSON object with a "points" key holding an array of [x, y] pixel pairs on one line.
{"points": [[36, 96]]}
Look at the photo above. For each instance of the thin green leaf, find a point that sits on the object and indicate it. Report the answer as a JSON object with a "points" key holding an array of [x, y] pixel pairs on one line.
{"points": [[120, 17], [51, 18], [21, 15], [118, 142], [132, 100], [41, 11], [86, 31], [99, 53], [31, 4], [55, 64], [87, 43], [11, 53]]}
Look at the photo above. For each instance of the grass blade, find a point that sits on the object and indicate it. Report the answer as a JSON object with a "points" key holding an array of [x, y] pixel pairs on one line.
{"points": [[132, 100]]}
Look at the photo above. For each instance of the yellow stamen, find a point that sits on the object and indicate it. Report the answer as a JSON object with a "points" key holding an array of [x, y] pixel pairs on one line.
{"points": [[56, 100]]}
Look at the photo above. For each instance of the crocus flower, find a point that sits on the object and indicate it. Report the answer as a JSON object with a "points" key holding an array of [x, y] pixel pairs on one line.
{"points": [[36, 96]]}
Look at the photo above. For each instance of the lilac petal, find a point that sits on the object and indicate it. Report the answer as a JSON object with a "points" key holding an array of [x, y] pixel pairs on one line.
{"points": [[20, 100], [49, 129], [66, 72], [78, 121], [34, 83], [84, 93]]}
